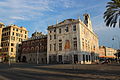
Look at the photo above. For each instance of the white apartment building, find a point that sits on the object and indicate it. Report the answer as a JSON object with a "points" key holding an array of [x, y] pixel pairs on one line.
{"points": [[72, 41]]}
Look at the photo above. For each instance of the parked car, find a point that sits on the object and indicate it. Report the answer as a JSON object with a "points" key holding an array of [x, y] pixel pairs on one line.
{"points": [[104, 62]]}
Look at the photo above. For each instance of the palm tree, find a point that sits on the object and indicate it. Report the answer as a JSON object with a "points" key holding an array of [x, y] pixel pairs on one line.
{"points": [[112, 13]]}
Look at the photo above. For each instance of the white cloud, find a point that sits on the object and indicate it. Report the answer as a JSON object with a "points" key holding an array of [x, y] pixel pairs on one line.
{"points": [[17, 18], [13, 10], [68, 3], [22, 9]]}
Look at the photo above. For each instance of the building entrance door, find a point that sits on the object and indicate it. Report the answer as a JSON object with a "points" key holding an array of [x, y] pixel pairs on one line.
{"points": [[60, 58], [24, 59], [93, 56], [75, 58]]}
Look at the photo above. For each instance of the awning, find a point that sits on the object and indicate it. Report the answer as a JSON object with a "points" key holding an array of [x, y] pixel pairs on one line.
{"points": [[107, 56], [102, 56]]}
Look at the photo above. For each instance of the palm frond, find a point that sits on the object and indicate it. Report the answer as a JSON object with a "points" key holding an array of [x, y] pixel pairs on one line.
{"points": [[112, 13]]}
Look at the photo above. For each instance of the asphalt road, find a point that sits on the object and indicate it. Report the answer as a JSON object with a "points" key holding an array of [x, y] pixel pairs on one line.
{"points": [[22, 71]]}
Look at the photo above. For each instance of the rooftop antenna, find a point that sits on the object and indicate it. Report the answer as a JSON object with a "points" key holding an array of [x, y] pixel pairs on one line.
{"points": [[78, 17], [36, 31], [57, 21], [86, 11]]}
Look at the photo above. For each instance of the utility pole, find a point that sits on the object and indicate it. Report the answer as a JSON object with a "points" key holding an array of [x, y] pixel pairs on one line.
{"points": [[116, 37], [9, 55], [37, 56]]}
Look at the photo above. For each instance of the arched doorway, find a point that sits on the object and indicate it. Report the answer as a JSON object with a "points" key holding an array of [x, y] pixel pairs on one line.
{"points": [[75, 58], [19, 58], [93, 57], [24, 59]]}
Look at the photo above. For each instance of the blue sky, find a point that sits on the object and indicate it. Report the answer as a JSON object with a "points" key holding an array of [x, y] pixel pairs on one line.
{"points": [[38, 14]]}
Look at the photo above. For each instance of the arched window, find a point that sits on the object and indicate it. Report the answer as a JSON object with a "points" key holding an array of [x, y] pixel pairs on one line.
{"points": [[32, 49], [36, 49], [23, 50], [28, 50]]}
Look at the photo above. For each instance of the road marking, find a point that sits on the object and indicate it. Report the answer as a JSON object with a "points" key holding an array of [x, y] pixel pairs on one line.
{"points": [[67, 74], [3, 78]]}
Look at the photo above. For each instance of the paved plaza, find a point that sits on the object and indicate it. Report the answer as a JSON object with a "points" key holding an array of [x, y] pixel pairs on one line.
{"points": [[23, 71]]}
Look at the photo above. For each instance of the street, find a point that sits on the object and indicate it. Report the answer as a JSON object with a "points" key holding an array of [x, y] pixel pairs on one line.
{"points": [[24, 71]]}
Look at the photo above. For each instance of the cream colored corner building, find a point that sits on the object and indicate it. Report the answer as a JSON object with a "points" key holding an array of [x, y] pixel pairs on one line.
{"points": [[1, 27], [11, 38], [72, 41], [106, 52]]}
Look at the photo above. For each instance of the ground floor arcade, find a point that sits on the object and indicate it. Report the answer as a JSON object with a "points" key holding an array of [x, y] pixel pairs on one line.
{"points": [[73, 57], [38, 58]]}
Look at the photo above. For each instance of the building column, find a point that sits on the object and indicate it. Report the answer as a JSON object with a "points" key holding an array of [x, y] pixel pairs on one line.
{"points": [[47, 58], [85, 58], [73, 58], [79, 58], [57, 58], [63, 59], [89, 58]]}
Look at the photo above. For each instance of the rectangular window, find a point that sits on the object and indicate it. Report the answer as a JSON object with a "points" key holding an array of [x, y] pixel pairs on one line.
{"points": [[19, 39], [74, 28], [11, 49], [25, 36], [16, 29], [60, 46], [60, 30], [54, 36], [12, 44], [16, 34], [75, 43], [19, 35], [13, 33], [94, 48], [13, 29], [67, 29], [54, 47], [6, 49], [12, 38], [54, 30]]}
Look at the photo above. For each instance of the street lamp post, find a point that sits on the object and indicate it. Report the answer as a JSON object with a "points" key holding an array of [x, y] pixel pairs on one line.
{"points": [[37, 56], [9, 61], [9, 55], [118, 45]]}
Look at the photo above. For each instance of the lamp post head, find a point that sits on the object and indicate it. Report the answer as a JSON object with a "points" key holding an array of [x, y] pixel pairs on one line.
{"points": [[112, 38]]}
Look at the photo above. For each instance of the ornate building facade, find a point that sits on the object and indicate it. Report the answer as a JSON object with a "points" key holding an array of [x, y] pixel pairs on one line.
{"points": [[34, 50], [72, 41]]}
